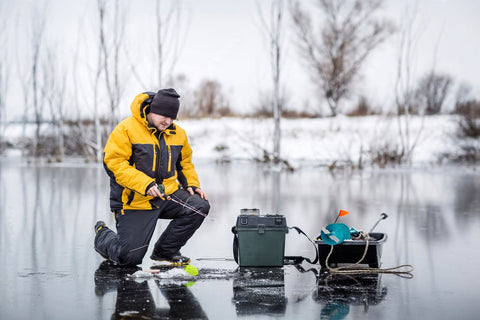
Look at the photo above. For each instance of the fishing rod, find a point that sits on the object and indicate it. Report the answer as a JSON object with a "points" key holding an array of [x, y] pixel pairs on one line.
{"points": [[178, 201]]}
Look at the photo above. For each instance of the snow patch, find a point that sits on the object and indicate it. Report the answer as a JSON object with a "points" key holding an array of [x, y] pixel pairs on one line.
{"points": [[174, 273]]}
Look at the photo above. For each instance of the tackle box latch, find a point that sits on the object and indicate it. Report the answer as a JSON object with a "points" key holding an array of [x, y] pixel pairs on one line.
{"points": [[261, 228]]}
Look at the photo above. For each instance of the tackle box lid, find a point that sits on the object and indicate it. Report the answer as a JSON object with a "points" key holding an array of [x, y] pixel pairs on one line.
{"points": [[266, 221]]}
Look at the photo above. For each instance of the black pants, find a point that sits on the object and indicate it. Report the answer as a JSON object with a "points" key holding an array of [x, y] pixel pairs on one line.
{"points": [[135, 229]]}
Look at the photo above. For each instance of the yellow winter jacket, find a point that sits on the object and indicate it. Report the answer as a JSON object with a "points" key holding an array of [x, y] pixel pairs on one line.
{"points": [[138, 154]]}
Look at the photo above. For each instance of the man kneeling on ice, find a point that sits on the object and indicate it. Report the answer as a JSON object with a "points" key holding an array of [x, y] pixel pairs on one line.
{"points": [[149, 162]]}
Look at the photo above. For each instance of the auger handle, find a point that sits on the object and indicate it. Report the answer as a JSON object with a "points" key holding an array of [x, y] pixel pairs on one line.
{"points": [[383, 216]]}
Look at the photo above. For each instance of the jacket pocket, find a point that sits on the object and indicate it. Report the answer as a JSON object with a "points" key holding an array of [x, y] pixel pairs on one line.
{"points": [[130, 197]]}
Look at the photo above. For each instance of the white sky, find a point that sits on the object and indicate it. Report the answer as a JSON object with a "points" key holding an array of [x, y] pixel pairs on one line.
{"points": [[225, 43]]}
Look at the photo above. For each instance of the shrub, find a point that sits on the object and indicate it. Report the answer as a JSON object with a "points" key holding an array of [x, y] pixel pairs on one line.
{"points": [[469, 123], [386, 154], [363, 108], [432, 91], [210, 99]]}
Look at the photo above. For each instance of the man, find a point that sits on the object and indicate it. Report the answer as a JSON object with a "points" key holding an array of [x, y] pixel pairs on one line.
{"points": [[149, 162]]}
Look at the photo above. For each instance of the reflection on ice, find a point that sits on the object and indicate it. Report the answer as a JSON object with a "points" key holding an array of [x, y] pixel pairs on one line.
{"points": [[259, 291], [337, 292], [47, 214], [135, 297]]}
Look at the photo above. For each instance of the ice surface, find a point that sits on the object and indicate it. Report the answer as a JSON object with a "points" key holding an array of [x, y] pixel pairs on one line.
{"points": [[49, 268]]}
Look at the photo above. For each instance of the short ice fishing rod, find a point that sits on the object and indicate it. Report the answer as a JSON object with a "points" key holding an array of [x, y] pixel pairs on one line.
{"points": [[171, 197]]}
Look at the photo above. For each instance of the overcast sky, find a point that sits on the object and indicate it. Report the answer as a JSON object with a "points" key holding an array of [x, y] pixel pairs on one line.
{"points": [[224, 42]]}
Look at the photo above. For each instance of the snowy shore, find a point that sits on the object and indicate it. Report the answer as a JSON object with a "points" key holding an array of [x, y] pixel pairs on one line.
{"points": [[325, 140], [322, 141]]}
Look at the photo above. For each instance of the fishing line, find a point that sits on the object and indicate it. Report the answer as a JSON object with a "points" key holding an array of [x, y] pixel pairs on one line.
{"points": [[184, 204], [179, 201], [215, 259]]}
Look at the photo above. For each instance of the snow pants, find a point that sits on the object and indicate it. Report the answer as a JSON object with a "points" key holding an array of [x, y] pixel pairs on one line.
{"points": [[135, 229]]}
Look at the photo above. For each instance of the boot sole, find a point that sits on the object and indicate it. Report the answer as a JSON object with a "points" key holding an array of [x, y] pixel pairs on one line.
{"points": [[171, 263]]}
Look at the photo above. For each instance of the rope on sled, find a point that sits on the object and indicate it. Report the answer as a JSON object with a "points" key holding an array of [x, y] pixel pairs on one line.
{"points": [[351, 270]]}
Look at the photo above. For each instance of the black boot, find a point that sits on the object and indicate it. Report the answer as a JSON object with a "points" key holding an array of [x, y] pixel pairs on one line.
{"points": [[175, 260]]}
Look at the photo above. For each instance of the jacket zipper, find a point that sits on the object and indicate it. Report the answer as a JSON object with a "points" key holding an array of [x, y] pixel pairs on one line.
{"points": [[154, 158], [158, 156], [169, 159]]}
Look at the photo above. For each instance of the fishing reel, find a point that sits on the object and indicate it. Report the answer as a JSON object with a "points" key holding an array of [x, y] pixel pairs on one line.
{"points": [[161, 188]]}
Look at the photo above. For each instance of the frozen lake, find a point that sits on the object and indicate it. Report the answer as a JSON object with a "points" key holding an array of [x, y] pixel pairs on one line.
{"points": [[49, 269]]}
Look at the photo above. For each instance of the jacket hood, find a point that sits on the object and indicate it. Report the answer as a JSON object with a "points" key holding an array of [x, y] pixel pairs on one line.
{"points": [[141, 105]]}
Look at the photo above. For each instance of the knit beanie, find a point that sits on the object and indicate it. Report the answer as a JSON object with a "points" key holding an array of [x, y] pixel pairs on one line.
{"points": [[166, 103]]}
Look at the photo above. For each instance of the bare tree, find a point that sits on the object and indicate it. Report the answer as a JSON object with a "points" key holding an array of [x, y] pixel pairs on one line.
{"points": [[210, 100], [468, 108], [469, 122], [83, 144], [111, 35], [274, 31], [53, 89], [111, 43], [22, 70], [3, 76], [404, 92], [37, 43], [432, 91], [169, 38], [3, 95], [463, 94], [349, 34], [432, 88], [98, 72], [170, 30]]}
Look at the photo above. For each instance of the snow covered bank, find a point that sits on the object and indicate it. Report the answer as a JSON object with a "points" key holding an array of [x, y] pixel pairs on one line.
{"points": [[324, 140], [321, 141]]}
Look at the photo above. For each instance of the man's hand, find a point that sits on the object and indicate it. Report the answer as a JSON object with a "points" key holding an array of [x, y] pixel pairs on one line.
{"points": [[200, 192], [154, 192]]}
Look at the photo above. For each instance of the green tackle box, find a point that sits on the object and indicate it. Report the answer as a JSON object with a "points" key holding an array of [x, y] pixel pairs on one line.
{"points": [[260, 240]]}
